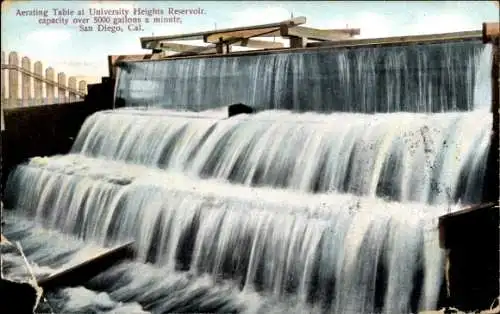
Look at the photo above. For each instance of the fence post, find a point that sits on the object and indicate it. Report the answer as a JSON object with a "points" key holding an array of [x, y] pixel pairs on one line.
{"points": [[26, 82], [13, 79], [50, 87], [38, 84], [3, 82], [61, 92], [82, 87], [72, 85]]}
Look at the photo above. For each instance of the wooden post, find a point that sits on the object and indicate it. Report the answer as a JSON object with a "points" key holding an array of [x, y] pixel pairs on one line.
{"points": [[3, 82], [38, 84], [50, 87], [297, 42], [82, 87], [26, 82], [61, 92], [72, 85], [13, 79], [219, 47], [111, 65], [21, 80]]}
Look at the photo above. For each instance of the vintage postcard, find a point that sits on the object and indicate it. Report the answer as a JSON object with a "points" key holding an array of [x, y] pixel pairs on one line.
{"points": [[250, 157]]}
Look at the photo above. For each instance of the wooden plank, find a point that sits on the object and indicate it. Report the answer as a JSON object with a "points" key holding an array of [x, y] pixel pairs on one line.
{"points": [[401, 39], [26, 82], [259, 44], [82, 87], [3, 81], [250, 43], [198, 50], [61, 91], [72, 85], [226, 43], [215, 37], [51, 89], [233, 40], [13, 80], [277, 33], [38, 84], [319, 34], [490, 31], [150, 42], [184, 48], [80, 273]]}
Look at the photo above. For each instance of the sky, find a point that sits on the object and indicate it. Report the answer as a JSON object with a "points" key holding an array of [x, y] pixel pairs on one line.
{"points": [[84, 53]]}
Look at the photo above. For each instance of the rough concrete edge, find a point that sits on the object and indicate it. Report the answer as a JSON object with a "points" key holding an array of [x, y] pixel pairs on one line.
{"points": [[32, 281]]}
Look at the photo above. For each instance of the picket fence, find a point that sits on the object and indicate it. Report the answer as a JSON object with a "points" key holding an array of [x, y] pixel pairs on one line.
{"points": [[24, 85]]}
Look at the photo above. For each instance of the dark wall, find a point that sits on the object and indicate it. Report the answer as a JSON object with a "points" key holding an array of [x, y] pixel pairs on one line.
{"points": [[473, 256], [49, 129], [492, 184]]}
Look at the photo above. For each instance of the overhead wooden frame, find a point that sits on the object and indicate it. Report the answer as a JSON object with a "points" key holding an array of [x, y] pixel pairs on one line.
{"points": [[151, 42], [221, 40], [186, 49]]}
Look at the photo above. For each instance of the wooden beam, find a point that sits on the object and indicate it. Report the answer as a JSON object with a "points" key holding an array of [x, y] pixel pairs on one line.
{"points": [[472, 35], [259, 44], [216, 37], [149, 42], [318, 34], [352, 31], [251, 31], [490, 32], [196, 51], [80, 273], [250, 43], [228, 41], [286, 30], [184, 48]]}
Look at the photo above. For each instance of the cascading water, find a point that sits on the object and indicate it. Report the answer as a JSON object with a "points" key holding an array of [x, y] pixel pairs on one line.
{"points": [[434, 158], [276, 212], [339, 251], [416, 78]]}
